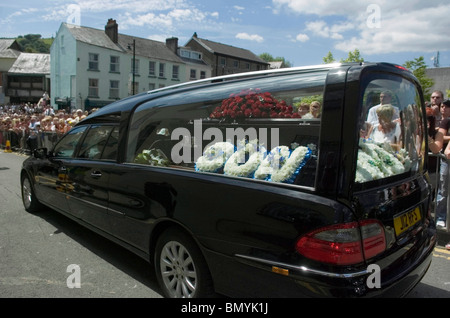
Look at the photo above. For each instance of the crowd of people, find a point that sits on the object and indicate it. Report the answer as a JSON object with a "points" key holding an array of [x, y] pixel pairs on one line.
{"points": [[27, 117], [22, 123], [438, 117]]}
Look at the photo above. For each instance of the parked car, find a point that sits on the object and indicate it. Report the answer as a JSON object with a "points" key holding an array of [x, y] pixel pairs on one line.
{"points": [[226, 188]]}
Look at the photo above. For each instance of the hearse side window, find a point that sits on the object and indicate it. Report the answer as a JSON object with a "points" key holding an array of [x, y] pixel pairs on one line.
{"points": [[95, 142], [391, 130], [67, 145], [249, 128]]}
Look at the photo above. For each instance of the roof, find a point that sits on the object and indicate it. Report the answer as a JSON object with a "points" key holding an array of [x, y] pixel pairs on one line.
{"points": [[31, 63], [143, 47], [219, 48], [9, 48]]}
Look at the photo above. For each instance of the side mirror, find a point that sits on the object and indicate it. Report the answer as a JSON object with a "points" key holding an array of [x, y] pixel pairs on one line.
{"points": [[40, 153]]}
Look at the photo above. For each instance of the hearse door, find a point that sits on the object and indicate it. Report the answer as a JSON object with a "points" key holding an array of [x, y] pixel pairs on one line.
{"points": [[53, 184], [89, 176]]}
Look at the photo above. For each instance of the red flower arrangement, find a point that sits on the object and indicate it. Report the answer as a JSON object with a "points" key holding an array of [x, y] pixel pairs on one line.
{"points": [[253, 104]]}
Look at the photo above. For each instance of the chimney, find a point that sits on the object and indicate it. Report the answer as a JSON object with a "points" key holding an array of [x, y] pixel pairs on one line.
{"points": [[172, 44], [112, 30]]}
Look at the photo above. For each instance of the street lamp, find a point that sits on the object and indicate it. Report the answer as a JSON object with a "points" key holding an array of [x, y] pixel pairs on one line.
{"points": [[133, 71]]}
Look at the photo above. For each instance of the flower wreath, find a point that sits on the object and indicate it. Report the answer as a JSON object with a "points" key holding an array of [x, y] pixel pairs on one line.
{"points": [[253, 103], [374, 162], [282, 164], [245, 161], [214, 157]]}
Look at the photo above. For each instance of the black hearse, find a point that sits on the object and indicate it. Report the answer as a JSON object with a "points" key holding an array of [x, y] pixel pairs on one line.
{"points": [[281, 183]]}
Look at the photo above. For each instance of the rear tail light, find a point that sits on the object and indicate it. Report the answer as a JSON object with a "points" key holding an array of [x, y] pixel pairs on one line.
{"points": [[344, 244]]}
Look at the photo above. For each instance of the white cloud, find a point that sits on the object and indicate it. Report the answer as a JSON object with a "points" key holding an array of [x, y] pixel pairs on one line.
{"points": [[319, 7], [401, 26], [302, 37], [423, 30], [250, 37], [320, 28]]}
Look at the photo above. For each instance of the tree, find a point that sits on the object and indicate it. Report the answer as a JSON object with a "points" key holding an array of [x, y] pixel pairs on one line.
{"points": [[418, 67], [33, 43], [354, 56], [329, 58], [269, 58]]}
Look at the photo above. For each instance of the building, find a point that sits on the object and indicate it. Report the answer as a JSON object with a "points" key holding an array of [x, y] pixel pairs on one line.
{"points": [[9, 52], [29, 78], [441, 78], [91, 68], [196, 67], [225, 59]]}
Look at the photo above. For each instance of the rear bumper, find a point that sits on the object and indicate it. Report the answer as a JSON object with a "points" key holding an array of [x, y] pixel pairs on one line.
{"points": [[243, 276]]}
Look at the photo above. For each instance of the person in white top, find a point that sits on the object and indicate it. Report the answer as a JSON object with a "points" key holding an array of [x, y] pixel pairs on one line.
{"points": [[385, 98], [387, 130]]}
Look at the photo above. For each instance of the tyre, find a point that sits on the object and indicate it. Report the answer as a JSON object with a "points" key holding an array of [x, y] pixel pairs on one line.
{"points": [[30, 202], [180, 267]]}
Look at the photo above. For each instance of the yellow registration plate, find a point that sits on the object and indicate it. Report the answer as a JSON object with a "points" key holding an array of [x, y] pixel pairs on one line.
{"points": [[406, 221]]}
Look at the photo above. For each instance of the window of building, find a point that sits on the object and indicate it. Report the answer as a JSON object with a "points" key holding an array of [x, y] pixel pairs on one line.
{"points": [[93, 62], [202, 74], [196, 55], [114, 64], [135, 66], [175, 72], [193, 74], [161, 69], [223, 61], [236, 63], [114, 89], [93, 87], [185, 53], [152, 68]]}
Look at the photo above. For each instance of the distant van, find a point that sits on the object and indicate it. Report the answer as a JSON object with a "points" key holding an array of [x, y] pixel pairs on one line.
{"points": [[298, 182]]}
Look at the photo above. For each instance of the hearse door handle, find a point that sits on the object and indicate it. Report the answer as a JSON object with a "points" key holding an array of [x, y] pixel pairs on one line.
{"points": [[96, 174]]}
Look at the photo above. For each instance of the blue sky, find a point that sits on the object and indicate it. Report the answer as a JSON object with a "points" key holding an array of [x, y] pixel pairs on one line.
{"points": [[301, 31]]}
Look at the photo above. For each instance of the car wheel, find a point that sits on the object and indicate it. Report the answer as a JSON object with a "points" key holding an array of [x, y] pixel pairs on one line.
{"points": [[30, 202], [180, 267]]}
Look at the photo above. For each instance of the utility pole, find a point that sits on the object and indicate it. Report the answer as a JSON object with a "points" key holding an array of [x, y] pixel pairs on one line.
{"points": [[133, 69]]}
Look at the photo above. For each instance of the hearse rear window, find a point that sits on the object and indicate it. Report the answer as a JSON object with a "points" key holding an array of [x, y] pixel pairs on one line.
{"points": [[263, 129], [391, 130]]}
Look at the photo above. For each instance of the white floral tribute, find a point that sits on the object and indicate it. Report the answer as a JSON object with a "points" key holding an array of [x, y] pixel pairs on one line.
{"points": [[153, 157], [282, 164], [375, 162], [238, 166], [214, 157]]}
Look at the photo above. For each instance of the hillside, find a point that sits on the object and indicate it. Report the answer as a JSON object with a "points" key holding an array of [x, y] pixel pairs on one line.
{"points": [[34, 43]]}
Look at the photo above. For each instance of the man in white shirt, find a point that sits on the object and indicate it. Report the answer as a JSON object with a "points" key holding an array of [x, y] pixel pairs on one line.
{"points": [[385, 98]]}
